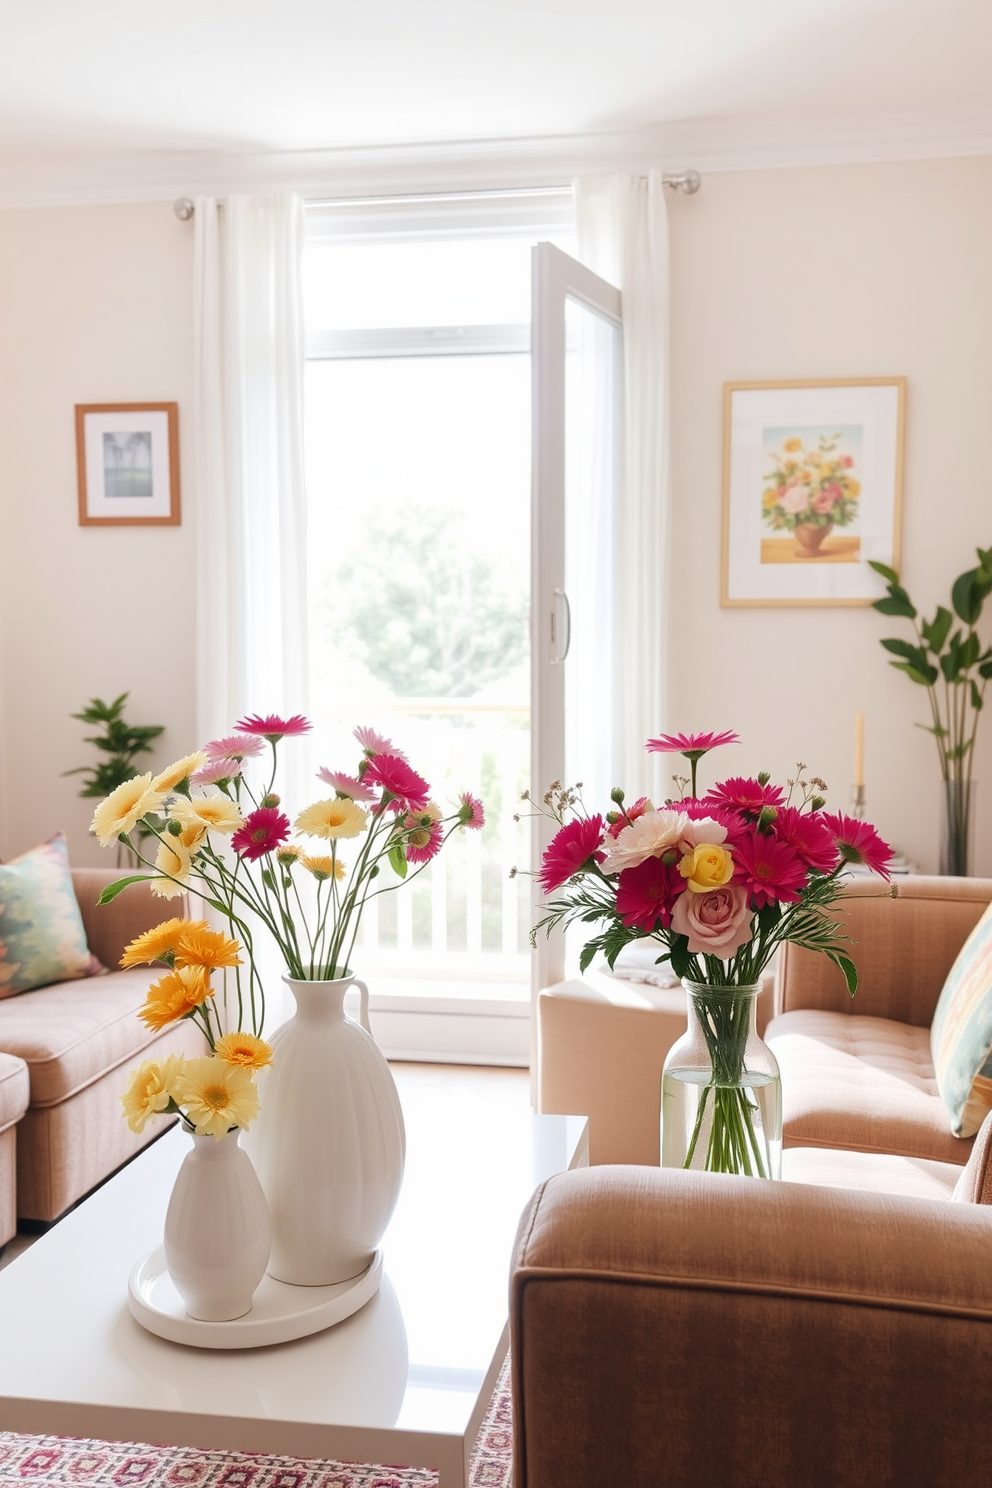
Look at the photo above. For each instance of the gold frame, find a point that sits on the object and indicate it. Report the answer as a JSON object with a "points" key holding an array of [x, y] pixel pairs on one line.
{"points": [[171, 410], [729, 388]]}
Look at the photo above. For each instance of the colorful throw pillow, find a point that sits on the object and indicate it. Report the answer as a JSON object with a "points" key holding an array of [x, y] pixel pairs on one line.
{"points": [[961, 1033], [42, 938]]}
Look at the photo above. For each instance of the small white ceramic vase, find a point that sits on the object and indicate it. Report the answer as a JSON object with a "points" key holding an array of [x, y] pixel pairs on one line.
{"points": [[217, 1232], [329, 1142]]}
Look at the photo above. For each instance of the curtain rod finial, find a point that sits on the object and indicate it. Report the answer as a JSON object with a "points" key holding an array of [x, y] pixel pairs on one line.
{"points": [[688, 181], [183, 208]]}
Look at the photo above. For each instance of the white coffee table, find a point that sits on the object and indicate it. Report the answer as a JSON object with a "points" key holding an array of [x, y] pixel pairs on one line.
{"points": [[406, 1380]]}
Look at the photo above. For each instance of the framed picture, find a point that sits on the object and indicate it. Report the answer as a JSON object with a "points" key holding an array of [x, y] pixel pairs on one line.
{"points": [[812, 490], [127, 457]]}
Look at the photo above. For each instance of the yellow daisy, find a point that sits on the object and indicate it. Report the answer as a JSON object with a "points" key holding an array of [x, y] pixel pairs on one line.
{"points": [[150, 1090], [216, 1096], [175, 857], [175, 995], [323, 867], [332, 819], [159, 942], [244, 1049], [200, 946], [182, 769], [124, 808], [214, 812]]}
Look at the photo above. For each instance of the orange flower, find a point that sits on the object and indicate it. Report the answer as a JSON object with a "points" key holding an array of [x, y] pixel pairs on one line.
{"points": [[244, 1049], [156, 944], [174, 996], [199, 946]]}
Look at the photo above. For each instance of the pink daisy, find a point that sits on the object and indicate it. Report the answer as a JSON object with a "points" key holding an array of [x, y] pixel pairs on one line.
{"points": [[264, 830], [373, 743], [741, 793], [345, 785], [405, 789], [646, 894], [272, 727], [215, 770], [858, 842], [693, 746], [570, 851], [470, 812], [620, 819], [808, 835], [426, 836], [768, 869], [234, 746]]}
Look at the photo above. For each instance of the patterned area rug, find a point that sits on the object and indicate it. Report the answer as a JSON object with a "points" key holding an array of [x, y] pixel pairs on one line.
{"points": [[65, 1462]]}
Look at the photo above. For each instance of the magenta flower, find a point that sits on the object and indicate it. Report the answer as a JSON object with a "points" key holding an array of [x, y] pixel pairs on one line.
{"points": [[405, 789], [741, 793], [345, 785], [264, 830], [470, 812], [627, 814], [571, 850], [234, 746], [806, 832], [216, 770], [770, 870], [858, 842], [693, 746], [272, 727], [647, 893], [426, 835], [373, 743]]}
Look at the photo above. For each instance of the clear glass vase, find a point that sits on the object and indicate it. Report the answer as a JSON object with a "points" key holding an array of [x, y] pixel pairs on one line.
{"points": [[957, 826], [721, 1091]]}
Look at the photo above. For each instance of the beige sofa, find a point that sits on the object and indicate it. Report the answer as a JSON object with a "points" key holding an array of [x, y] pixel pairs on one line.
{"points": [[673, 1329], [65, 1051]]}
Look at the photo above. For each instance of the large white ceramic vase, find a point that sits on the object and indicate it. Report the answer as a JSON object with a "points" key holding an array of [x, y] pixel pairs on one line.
{"points": [[329, 1143]]}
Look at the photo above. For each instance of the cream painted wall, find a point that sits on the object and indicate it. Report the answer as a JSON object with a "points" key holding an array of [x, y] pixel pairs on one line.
{"points": [[868, 270], [95, 306]]}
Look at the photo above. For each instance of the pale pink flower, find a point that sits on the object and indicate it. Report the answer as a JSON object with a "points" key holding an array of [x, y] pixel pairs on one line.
{"points": [[703, 832], [345, 785], [374, 743], [795, 500], [235, 746], [823, 502], [217, 769], [717, 923], [648, 837]]}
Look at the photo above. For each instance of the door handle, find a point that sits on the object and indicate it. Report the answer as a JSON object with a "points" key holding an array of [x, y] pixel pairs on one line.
{"points": [[559, 649]]}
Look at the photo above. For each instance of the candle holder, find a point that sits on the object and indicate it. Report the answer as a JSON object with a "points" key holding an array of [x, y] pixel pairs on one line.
{"points": [[858, 802]]}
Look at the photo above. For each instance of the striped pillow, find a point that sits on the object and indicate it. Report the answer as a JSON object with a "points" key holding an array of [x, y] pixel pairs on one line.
{"points": [[961, 1033], [42, 939]]}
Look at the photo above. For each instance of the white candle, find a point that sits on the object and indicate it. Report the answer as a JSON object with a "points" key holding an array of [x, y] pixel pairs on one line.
{"points": [[859, 748]]}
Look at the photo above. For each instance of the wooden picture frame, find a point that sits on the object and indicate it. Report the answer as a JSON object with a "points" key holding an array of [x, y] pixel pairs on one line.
{"points": [[127, 462], [812, 489]]}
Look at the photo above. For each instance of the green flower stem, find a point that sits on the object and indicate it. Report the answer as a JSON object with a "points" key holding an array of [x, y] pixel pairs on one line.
{"points": [[725, 1022]]}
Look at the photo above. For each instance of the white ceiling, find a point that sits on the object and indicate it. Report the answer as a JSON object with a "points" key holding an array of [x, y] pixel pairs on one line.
{"points": [[84, 82]]}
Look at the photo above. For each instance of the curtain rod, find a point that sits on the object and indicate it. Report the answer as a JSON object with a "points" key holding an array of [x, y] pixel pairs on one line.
{"points": [[688, 181]]}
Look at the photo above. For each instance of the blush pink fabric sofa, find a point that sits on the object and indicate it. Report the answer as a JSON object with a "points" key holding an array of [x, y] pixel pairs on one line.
{"points": [[693, 1330], [65, 1052]]}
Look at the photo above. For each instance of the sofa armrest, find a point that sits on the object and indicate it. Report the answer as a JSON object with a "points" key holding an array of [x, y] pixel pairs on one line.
{"points": [[906, 936], [110, 927], [683, 1329]]}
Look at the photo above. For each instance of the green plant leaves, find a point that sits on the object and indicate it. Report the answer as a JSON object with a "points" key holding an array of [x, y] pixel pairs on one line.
{"points": [[936, 631], [109, 894]]}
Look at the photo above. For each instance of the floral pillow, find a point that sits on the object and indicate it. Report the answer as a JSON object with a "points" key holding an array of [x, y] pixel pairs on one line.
{"points": [[42, 939], [961, 1033]]}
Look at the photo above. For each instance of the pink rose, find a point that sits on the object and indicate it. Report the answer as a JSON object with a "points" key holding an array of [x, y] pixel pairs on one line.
{"points": [[846, 462], [717, 924], [823, 502], [795, 500]]}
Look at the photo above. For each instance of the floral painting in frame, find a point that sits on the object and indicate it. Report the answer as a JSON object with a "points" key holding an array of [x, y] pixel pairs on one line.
{"points": [[812, 490]]}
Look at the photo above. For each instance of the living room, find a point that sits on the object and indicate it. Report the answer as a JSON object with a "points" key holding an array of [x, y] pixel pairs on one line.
{"points": [[842, 230]]}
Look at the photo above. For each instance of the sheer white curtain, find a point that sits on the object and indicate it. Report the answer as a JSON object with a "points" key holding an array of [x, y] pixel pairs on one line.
{"points": [[251, 499], [622, 226]]}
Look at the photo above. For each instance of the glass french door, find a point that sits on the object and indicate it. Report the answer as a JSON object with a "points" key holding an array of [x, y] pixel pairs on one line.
{"points": [[576, 364]]}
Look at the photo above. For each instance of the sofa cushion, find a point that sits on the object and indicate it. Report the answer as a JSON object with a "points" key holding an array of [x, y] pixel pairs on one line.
{"points": [[14, 1090], [871, 1172], [974, 1186], [961, 1034], [42, 939], [69, 1035], [864, 1084]]}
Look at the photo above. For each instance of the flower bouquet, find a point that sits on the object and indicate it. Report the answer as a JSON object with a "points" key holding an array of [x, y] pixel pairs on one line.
{"points": [[809, 492], [720, 881]]}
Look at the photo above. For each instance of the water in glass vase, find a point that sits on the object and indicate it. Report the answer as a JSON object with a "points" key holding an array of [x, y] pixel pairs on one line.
{"points": [[722, 1128]]}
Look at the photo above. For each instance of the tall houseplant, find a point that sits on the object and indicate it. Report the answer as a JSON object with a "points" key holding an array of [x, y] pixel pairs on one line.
{"points": [[120, 743], [954, 665]]}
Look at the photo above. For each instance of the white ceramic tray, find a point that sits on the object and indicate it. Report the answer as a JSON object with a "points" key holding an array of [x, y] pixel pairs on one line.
{"points": [[279, 1312]]}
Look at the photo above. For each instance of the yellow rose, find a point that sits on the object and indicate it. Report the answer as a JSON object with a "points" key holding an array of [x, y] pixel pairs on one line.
{"points": [[793, 444], [707, 868]]}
